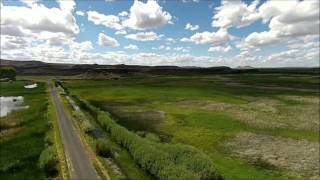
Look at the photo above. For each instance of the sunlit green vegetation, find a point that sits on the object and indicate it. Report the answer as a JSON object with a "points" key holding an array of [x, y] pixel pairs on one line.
{"points": [[28, 146], [118, 164], [207, 111], [23, 138], [170, 162]]}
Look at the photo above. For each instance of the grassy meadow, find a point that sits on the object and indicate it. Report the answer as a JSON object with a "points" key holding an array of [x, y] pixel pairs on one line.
{"points": [[23, 133], [252, 126], [28, 137]]}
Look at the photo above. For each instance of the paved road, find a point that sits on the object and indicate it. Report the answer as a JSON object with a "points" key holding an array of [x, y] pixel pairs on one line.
{"points": [[81, 167]]}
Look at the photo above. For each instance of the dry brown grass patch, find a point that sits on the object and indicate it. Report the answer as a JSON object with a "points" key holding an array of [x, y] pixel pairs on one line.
{"points": [[296, 155]]}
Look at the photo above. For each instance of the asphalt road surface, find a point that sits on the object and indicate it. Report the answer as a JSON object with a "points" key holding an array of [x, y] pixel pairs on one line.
{"points": [[79, 163]]}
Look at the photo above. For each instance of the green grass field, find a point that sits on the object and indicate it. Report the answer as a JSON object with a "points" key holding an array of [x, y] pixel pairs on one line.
{"points": [[23, 132], [217, 113]]}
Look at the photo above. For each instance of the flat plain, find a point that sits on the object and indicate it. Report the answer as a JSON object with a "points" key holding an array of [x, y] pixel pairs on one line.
{"points": [[252, 126]]}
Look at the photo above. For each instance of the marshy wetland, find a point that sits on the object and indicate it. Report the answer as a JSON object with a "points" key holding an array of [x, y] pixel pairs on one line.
{"points": [[233, 126], [252, 126], [23, 131], [10, 103]]}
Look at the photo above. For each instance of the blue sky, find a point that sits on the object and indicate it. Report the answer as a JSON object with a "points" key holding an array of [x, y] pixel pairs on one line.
{"points": [[232, 33], [195, 13]]}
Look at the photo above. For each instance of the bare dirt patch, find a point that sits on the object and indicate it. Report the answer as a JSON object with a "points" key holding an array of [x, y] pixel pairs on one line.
{"points": [[296, 155]]}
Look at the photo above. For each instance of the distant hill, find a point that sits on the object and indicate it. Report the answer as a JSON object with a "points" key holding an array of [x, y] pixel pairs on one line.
{"points": [[244, 67], [42, 68]]}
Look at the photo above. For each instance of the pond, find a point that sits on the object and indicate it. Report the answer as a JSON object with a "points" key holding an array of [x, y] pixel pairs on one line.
{"points": [[11, 103], [31, 86]]}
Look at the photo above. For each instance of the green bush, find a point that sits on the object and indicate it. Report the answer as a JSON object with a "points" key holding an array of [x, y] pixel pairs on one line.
{"points": [[86, 106], [59, 83], [87, 126], [152, 137], [164, 161], [84, 122], [8, 72], [48, 161], [104, 149], [49, 138]]}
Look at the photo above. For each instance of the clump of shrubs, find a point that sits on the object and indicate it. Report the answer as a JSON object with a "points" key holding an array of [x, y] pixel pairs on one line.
{"points": [[48, 161], [152, 137], [164, 161], [86, 106], [85, 123], [59, 83], [49, 139], [8, 73], [104, 149]]}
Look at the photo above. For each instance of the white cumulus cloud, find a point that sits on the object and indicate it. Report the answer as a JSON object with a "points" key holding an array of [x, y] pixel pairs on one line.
{"points": [[146, 15], [235, 13], [191, 27], [213, 38], [181, 49], [131, 46], [123, 14], [287, 19], [220, 49], [14, 42], [143, 36], [104, 40], [80, 13], [110, 21], [67, 5], [121, 32], [39, 19]]}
